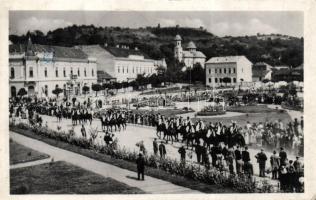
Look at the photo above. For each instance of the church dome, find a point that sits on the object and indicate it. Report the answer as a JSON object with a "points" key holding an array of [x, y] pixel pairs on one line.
{"points": [[191, 45], [178, 37]]}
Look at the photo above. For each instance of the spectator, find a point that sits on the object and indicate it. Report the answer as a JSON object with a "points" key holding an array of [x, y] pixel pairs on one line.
{"points": [[283, 157], [261, 159], [238, 160], [155, 146], [275, 165], [198, 151], [245, 156], [230, 160], [291, 176], [83, 131], [282, 178], [140, 161], [162, 150], [182, 153], [248, 169]]}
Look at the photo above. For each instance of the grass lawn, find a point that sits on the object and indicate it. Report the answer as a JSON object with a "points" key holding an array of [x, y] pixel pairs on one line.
{"points": [[160, 174], [64, 178], [251, 117], [165, 112], [21, 154]]}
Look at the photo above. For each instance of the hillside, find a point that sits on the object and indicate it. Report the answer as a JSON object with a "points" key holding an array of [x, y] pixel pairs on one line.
{"points": [[157, 42]]}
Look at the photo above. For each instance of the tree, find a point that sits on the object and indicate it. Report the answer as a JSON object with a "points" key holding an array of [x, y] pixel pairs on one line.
{"points": [[57, 91], [96, 87], [22, 92], [226, 80], [85, 89], [265, 80]]}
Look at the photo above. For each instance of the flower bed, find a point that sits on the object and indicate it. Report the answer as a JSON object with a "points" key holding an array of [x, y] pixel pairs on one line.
{"points": [[195, 172], [251, 109], [211, 111]]}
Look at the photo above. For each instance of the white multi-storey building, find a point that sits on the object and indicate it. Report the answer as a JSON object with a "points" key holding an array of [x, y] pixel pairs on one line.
{"points": [[42, 68], [190, 56], [236, 69], [123, 63]]}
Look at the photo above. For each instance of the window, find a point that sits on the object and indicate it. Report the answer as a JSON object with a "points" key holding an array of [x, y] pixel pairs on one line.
{"points": [[46, 90], [220, 71], [234, 80], [215, 71], [118, 69], [45, 72], [133, 70], [229, 70], [85, 72], [56, 72], [224, 70], [209, 71], [127, 70], [242, 69], [64, 72], [31, 72], [215, 80], [56, 86], [234, 70], [71, 72], [210, 80], [92, 72], [12, 75], [78, 72]]}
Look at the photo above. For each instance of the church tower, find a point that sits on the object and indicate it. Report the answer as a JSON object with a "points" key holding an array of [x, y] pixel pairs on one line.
{"points": [[178, 51]]}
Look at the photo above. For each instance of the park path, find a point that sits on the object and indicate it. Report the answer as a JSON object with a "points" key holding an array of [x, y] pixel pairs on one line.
{"points": [[31, 163], [150, 185]]}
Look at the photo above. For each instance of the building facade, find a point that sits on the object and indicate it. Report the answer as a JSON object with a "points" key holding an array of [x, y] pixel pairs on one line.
{"points": [[40, 69], [230, 70], [190, 55], [123, 63], [261, 71]]}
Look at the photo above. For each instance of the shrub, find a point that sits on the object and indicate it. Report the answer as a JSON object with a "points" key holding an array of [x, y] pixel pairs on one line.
{"points": [[174, 167]]}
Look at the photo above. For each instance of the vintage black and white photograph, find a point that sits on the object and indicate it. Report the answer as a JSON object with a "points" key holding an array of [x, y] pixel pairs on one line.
{"points": [[156, 102]]}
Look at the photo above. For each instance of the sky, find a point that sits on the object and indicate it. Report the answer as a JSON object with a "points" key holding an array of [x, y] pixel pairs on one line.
{"points": [[220, 23]]}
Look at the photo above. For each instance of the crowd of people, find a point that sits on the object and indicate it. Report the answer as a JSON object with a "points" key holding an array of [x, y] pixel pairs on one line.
{"points": [[226, 145]]}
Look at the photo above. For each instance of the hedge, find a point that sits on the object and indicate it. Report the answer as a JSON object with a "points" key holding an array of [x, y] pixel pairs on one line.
{"points": [[174, 167]]}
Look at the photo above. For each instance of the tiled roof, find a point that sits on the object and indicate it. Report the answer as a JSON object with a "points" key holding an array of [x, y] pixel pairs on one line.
{"points": [[225, 59], [178, 37], [59, 52], [194, 54], [259, 73], [191, 45], [104, 75], [121, 52]]}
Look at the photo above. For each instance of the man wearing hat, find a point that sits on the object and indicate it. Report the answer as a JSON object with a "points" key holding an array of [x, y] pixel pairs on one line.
{"points": [[140, 161], [261, 159]]}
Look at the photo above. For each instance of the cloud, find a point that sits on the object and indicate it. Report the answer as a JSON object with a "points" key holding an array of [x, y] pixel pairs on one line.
{"points": [[186, 22], [250, 27], [44, 25]]}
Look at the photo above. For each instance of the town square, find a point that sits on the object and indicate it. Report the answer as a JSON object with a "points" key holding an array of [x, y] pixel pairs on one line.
{"points": [[163, 108]]}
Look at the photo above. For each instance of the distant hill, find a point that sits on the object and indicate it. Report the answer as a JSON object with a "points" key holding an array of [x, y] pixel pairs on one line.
{"points": [[157, 42]]}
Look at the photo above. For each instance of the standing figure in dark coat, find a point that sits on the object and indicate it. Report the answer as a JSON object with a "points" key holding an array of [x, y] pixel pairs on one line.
{"points": [[140, 161], [245, 156], [162, 150], [198, 151], [155, 146], [283, 157], [182, 153], [238, 160], [261, 159]]}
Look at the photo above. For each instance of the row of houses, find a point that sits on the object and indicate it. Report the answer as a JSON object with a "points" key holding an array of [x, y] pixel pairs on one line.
{"points": [[236, 70], [40, 69]]}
